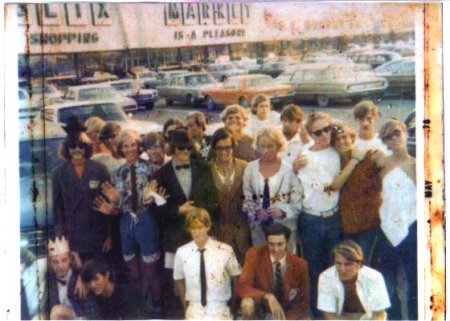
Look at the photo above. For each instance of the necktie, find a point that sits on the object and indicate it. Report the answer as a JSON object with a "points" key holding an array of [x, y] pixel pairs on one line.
{"points": [[266, 194], [202, 277], [266, 204], [278, 282], [134, 195], [178, 167]]}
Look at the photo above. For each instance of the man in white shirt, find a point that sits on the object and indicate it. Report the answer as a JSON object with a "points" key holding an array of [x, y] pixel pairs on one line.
{"points": [[204, 270], [319, 224], [349, 290], [366, 114], [296, 136]]}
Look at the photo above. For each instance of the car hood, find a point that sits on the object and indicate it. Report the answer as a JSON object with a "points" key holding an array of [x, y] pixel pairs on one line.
{"points": [[142, 126]]}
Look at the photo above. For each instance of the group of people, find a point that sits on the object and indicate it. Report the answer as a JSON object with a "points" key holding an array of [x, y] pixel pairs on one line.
{"points": [[295, 219]]}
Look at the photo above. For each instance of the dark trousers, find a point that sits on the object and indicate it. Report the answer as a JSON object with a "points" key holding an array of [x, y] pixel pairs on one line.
{"points": [[318, 236], [387, 262]]}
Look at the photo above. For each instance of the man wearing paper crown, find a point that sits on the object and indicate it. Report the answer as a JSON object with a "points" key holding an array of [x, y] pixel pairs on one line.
{"points": [[62, 280]]}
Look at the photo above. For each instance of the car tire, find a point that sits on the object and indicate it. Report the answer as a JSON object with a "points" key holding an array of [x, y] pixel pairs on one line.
{"points": [[322, 100], [224, 78], [190, 101], [169, 102], [149, 106], [210, 104], [243, 102]]}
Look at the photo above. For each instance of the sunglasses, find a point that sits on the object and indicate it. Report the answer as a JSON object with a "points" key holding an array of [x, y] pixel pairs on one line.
{"points": [[224, 148], [394, 133], [75, 144], [323, 130], [181, 148]]}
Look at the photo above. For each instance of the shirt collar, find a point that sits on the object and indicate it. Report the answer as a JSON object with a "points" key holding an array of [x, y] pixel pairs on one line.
{"points": [[282, 261]]}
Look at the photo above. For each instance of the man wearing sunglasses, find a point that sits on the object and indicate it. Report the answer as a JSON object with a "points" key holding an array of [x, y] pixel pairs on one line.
{"points": [[319, 224], [76, 182], [188, 182]]}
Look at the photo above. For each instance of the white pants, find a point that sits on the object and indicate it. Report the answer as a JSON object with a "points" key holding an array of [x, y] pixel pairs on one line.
{"points": [[217, 310]]}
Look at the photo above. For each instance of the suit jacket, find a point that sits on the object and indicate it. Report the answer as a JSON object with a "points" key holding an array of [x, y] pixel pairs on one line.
{"points": [[87, 307], [203, 193], [230, 200], [257, 279], [73, 199]]}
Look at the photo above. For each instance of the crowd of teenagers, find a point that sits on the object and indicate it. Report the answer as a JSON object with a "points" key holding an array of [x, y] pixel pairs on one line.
{"points": [[274, 216]]}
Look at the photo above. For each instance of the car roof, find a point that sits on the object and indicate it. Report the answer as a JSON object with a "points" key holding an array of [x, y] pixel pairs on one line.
{"points": [[103, 84], [121, 81], [248, 77], [79, 104]]}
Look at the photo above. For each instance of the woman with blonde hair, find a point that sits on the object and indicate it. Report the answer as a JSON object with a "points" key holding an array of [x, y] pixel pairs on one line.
{"points": [[271, 190]]}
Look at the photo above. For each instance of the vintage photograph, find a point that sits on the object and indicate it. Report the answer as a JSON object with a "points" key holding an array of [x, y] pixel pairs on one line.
{"points": [[225, 160]]}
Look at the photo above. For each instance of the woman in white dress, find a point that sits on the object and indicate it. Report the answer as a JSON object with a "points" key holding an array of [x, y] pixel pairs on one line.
{"points": [[271, 190], [262, 115], [398, 237]]}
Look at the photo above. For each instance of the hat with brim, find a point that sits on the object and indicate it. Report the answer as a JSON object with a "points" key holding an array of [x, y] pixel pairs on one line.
{"points": [[74, 125], [179, 138]]}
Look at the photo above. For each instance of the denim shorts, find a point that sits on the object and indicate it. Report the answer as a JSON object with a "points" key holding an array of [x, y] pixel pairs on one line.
{"points": [[139, 234]]}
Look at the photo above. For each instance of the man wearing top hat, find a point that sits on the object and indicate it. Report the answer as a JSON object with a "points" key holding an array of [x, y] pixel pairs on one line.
{"points": [[188, 182], [76, 182], [62, 281]]}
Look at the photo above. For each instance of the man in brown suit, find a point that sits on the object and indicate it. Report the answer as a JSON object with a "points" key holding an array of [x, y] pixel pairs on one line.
{"points": [[227, 172], [274, 281]]}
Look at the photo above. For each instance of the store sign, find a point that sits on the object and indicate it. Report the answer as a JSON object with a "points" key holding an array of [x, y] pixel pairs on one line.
{"points": [[69, 14], [205, 14]]}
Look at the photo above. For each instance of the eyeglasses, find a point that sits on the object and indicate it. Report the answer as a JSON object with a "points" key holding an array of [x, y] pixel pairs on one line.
{"points": [[75, 144], [394, 133], [182, 148], [323, 130], [224, 148]]}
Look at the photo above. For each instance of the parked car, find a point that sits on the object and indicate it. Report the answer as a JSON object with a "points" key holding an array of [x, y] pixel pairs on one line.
{"points": [[276, 65], [410, 123], [99, 92], [242, 89], [221, 72], [142, 74], [374, 58], [401, 76], [187, 88], [324, 82], [39, 143], [27, 107], [248, 64], [134, 90], [163, 78], [108, 110], [98, 77]]}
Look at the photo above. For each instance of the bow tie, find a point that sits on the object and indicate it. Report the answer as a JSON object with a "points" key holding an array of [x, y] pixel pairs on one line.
{"points": [[63, 282], [178, 167]]}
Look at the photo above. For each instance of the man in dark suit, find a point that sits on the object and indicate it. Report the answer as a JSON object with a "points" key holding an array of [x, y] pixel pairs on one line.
{"points": [[274, 281], [62, 281], [188, 183], [76, 182]]}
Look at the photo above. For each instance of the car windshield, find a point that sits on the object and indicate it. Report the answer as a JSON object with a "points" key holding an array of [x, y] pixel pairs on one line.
{"points": [[122, 86], [106, 111], [39, 156], [260, 82], [389, 67], [97, 93], [46, 90], [199, 80], [147, 75]]}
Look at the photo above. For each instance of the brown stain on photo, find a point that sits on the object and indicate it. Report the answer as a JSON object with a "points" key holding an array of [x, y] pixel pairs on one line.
{"points": [[433, 159]]}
